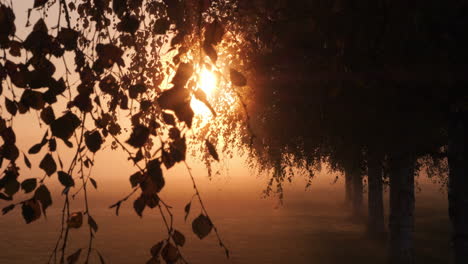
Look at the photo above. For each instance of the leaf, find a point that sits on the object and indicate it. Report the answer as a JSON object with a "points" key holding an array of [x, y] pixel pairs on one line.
{"points": [[210, 52], [237, 78], [7, 209], [48, 164], [92, 224], [214, 33], [65, 179], [35, 149], [154, 182], [11, 186], [52, 145], [93, 141], [168, 119], [29, 185], [170, 254], [139, 205], [136, 179], [156, 248], [26, 161], [8, 135], [47, 115], [212, 150], [39, 3], [31, 210], [73, 258], [11, 106], [201, 96], [75, 220], [64, 126], [179, 238], [42, 194], [4, 197], [68, 38], [139, 136], [187, 210], [202, 226], [93, 182]]}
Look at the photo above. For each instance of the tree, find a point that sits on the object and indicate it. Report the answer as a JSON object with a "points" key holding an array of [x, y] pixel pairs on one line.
{"points": [[86, 68]]}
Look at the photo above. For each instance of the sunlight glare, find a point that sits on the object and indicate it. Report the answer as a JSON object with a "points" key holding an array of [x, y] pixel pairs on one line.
{"points": [[207, 83]]}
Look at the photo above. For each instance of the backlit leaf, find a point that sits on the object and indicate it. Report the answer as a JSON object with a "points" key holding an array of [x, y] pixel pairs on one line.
{"points": [[156, 248], [31, 210], [93, 182], [75, 220], [170, 253], [93, 140], [92, 224], [39, 3], [202, 226], [29, 185], [187, 210], [212, 150], [139, 136], [7, 209], [179, 238], [48, 164], [26, 161], [42, 194], [11, 106], [65, 179], [139, 205]]}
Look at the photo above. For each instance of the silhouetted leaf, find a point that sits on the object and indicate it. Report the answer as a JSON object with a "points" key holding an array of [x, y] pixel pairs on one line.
{"points": [[93, 182], [168, 119], [8, 135], [7, 209], [26, 161], [52, 145], [139, 136], [237, 78], [47, 115], [212, 150], [48, 164], [156, 248], [167, 159], [161, 26], [73, 258], [151, 200], [202, 226], [65, 179], [187, 210], [39, 3], [201, 96], [11, 186], [35, 149], [129, 24], [214, 33], [92, 224], [170, 254], [93, 140], [75, 220], [29, 185], [179, 238], [139, 205], [31, 210], [136, 179], [210, 52], [183, 74], [64, 126], [68, 38], [42, 194], [11, 106]]}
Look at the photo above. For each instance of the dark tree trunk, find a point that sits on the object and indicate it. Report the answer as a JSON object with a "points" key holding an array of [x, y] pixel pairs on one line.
{"points": [[401, 224], [357, 191], [348, 187], [458, 185], [376, 226]]}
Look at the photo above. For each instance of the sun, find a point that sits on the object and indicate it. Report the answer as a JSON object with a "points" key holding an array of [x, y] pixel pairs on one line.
{"points": [[207, 82]]}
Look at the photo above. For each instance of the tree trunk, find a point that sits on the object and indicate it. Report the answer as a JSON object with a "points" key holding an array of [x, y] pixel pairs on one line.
{"points": [[376, 226], [402, 200], [458, 185], [348, 187], [357, 191]]}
